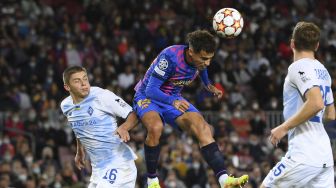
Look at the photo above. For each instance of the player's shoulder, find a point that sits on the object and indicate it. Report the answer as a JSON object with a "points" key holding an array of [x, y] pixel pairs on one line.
{"points": [[102, 93], [95, 91], [172, 51], [305, 64], [170, 55], [66, 103]]}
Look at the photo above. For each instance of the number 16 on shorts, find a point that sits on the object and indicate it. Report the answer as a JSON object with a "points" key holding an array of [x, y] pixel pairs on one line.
{"points": [[111, 175]]}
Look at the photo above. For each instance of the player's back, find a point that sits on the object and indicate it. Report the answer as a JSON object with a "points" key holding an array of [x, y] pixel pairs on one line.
{"points": [[309, 142], [95, 125], [171, 66]]}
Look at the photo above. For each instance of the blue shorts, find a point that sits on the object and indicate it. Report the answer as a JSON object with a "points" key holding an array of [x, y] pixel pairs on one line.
{"points": [[168, 113]]}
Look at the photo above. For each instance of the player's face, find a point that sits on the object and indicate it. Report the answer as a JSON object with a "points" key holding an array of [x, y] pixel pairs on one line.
{"points": [[79, 85], [202, 59]]}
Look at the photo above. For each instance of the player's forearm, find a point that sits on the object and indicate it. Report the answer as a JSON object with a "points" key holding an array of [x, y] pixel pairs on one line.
{"points": [[309, 109], [131, 121], [80, 148], [205, 77], [329, 113], [153, 91]]}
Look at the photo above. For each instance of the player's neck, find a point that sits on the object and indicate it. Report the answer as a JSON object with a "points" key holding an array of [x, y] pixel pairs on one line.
{"points": [[187, 57], [76, 99], [303, 54]]}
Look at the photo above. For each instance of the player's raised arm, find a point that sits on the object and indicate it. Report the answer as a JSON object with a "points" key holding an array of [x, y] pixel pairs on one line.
{"points": [[311, 106], [211, 88]]}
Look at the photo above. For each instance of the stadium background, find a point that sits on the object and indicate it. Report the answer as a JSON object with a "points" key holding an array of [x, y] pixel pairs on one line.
{"points": [[116, 41]]}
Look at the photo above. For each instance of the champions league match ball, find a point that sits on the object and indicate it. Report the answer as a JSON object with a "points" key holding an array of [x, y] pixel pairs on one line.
{"points": [[228, 23]]}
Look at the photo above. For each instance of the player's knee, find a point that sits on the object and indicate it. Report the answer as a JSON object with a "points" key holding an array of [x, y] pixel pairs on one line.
{"points": [[262, 186], [155, 129], [203, 132]]}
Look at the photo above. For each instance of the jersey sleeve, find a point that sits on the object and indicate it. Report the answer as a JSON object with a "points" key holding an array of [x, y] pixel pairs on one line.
{"points": [[303, 77], [164, 67], [329, 97], [114, 104], [204, 77]]}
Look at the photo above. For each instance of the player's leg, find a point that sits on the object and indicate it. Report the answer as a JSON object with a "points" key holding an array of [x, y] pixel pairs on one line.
{"points": [[195, 122], [149, 114], [154, 125]]}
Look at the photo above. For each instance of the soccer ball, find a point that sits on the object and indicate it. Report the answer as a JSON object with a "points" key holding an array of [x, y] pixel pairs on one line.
{"points": [[228, 23]]}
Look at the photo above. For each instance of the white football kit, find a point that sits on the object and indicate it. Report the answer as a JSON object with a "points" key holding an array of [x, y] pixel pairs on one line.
{"points": [[309, 160], [94, 123]]}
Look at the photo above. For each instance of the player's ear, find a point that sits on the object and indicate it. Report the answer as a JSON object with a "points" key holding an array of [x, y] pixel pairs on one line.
{"points": [[317, 46], [292, 45], [190, 52], [66, 87]]}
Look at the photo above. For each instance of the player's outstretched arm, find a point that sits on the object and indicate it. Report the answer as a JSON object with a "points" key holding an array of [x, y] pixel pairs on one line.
{"points": [[212, 89], [130, 123], [80, 155], [313, 104]]}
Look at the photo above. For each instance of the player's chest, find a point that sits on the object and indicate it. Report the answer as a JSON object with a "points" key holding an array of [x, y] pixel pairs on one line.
{"points": [[183, 76], [86, 111]]}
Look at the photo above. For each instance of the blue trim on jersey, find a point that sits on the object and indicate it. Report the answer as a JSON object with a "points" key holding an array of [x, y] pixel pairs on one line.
{"points": [[205, 77], [315, 119], [153, 91]]}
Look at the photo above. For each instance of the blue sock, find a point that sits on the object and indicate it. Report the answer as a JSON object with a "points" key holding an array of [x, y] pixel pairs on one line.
{"points": [[214, 158], [152, 154]]}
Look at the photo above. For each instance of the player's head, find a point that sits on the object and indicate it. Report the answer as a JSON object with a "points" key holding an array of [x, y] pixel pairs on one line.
{"points": [[76, 81], [202, 46], [305, 37]]}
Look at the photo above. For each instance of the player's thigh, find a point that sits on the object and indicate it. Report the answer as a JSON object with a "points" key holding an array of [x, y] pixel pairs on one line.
{"points": [[148, 111], [120, 174], [194, 122], [324, 179], [289, 173]]}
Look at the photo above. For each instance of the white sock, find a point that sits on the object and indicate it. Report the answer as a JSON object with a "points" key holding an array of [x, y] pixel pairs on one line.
{"points": [[151, 180], [222, 179]]}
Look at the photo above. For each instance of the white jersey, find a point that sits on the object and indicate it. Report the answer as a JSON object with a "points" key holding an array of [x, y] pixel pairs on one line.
{"points": [[308, 143], [94, 123]]}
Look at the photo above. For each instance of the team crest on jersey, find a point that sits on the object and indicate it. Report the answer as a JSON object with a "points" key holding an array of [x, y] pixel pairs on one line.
{"points": [[90, 111], [144, 103], [120, 102], [303, 76]]}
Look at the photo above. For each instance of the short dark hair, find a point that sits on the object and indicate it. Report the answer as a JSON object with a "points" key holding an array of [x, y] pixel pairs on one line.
{"points": [[71, 70], [306, 36], [201, 40]]}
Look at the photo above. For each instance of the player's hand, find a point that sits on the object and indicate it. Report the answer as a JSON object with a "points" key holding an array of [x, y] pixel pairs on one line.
{"points": [[277, 134], [218, 93], [123, 133], [80, 160], [181, 105]]}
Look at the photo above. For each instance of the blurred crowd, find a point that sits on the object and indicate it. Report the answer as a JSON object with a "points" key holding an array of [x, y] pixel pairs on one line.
{"points": [[116, 41]]}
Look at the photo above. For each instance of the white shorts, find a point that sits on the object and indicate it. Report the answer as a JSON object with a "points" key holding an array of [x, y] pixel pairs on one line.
{"points": [[119, 174], [291, 174]]}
